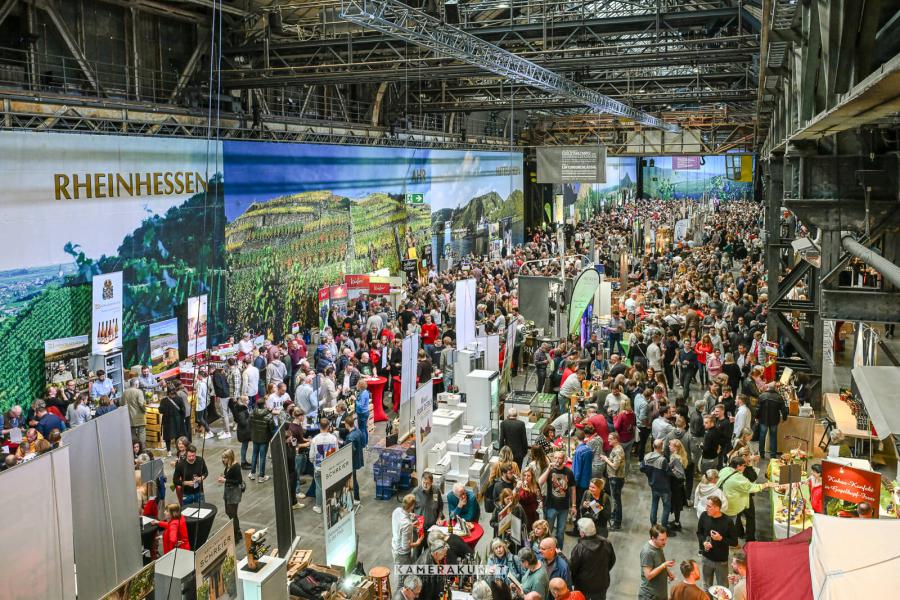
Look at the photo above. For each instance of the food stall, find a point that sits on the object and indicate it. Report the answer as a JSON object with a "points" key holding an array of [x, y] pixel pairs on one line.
{"points": [[791, 509], [876, 388]]}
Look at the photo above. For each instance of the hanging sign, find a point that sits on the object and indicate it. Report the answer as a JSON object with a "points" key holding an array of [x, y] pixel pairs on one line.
{"points": [[106, 313]]}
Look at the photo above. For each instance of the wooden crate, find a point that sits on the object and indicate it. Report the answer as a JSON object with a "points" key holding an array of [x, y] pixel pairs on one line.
{"points": [[298, 561]]}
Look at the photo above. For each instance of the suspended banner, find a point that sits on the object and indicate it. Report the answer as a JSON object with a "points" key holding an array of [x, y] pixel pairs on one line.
{"points": [[685, 163], [571, 164], [107, 313], [465, 313], [337, 509], [409, 357], [582, 295], [424, 404], [196, 319]]}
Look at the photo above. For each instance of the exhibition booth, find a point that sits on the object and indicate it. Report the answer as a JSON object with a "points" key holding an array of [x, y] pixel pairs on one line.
{"points": [[822, 563]]}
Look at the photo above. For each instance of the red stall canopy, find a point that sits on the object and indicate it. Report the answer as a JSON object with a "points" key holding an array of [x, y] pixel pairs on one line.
{"points": [[780, 570]]}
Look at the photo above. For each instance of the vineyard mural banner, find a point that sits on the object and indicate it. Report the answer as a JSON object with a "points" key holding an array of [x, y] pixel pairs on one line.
{"points": [[73, 207], [726, 177], [590, 198], [302, 216]]}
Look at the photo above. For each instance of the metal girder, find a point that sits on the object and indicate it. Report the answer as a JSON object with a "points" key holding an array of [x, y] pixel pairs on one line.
{"points": [[6, 8], [854, 305], [841, 215], [63, 29], [185, 76], [395, 18], [63, 117], [786, 284], [218, 5], [800, 345], [541, 28]]}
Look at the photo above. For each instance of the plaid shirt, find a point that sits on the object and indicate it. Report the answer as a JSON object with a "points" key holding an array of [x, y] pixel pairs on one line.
{"points": [[234, 382]]}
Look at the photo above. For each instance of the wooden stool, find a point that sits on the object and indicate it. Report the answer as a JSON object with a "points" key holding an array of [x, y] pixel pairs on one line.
{"points": [[382, 578]]}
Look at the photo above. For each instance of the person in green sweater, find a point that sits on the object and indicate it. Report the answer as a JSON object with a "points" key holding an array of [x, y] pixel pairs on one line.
{"points": [[535, 577], [736, 487]]}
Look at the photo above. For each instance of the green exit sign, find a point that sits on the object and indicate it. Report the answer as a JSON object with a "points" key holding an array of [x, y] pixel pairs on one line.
{"points": [[415, 198]]}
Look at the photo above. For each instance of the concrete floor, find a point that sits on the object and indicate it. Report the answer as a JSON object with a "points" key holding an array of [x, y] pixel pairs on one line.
{"points": [[373, 520]]}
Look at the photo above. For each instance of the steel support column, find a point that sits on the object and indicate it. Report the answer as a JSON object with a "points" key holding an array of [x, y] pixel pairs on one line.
{"points": [[71, 43]]}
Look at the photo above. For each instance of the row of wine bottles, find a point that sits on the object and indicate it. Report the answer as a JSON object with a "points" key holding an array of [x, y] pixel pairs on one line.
{"points": [[107, 331]]}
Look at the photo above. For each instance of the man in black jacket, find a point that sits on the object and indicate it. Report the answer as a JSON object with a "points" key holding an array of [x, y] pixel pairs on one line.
{"points": [[592, 559], [433, 585], [716, 532], [189, 474], [513, 434], [772, 411], [262, 427]]}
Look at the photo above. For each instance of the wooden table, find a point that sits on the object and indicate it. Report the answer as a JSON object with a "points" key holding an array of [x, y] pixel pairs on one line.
{"points": [[843, 418]]}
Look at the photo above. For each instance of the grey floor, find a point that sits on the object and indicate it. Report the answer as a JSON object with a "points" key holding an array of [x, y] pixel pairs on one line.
{"points": [[373, 520]]}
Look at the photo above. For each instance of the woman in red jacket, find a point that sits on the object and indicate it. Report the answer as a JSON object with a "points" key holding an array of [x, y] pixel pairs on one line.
{"points": [[175, 533], [703, 347]]}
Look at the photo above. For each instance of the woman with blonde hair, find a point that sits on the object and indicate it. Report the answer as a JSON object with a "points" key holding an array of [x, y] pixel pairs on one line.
{"points": [[539, 530], [234, 489], [678, 461]]}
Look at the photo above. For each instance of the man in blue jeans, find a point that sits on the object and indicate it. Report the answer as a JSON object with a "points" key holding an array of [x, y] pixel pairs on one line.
{"points": [[559, 495], [771, 411], [262, 428], [656, 467]]}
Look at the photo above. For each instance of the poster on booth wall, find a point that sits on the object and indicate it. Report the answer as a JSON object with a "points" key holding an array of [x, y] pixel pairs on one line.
{"points": [[338, 300], [197, 320], [163, 347], [357, 285], [215, 566], [324, 307], [106, 313], [845, 487], [337, 508], [423, 402]]}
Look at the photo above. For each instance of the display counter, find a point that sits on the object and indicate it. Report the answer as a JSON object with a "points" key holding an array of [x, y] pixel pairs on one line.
{"points": [[791, 512]]}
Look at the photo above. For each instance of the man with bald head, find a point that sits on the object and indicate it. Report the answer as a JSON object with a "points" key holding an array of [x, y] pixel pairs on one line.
{"points": [[560, 591]]}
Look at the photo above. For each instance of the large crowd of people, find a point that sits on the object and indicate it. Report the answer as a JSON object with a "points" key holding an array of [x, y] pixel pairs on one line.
{"points": [[677, 391]]}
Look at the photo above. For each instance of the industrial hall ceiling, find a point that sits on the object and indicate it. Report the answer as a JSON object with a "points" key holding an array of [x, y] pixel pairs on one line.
{"points": [[640, 76]]}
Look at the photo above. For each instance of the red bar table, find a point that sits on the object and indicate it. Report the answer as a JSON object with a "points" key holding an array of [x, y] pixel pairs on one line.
{"points": [[376, 389]]}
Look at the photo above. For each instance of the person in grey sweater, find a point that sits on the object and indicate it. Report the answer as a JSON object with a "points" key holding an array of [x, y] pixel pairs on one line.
{"points": [[429, 501]]}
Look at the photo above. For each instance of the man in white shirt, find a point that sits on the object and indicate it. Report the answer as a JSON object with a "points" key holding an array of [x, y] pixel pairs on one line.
{"points": [[276, 400], [202, 394], [404, 528], [741, 416], [245, 346], [323, 445], [250, 380], [654, 355]]}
